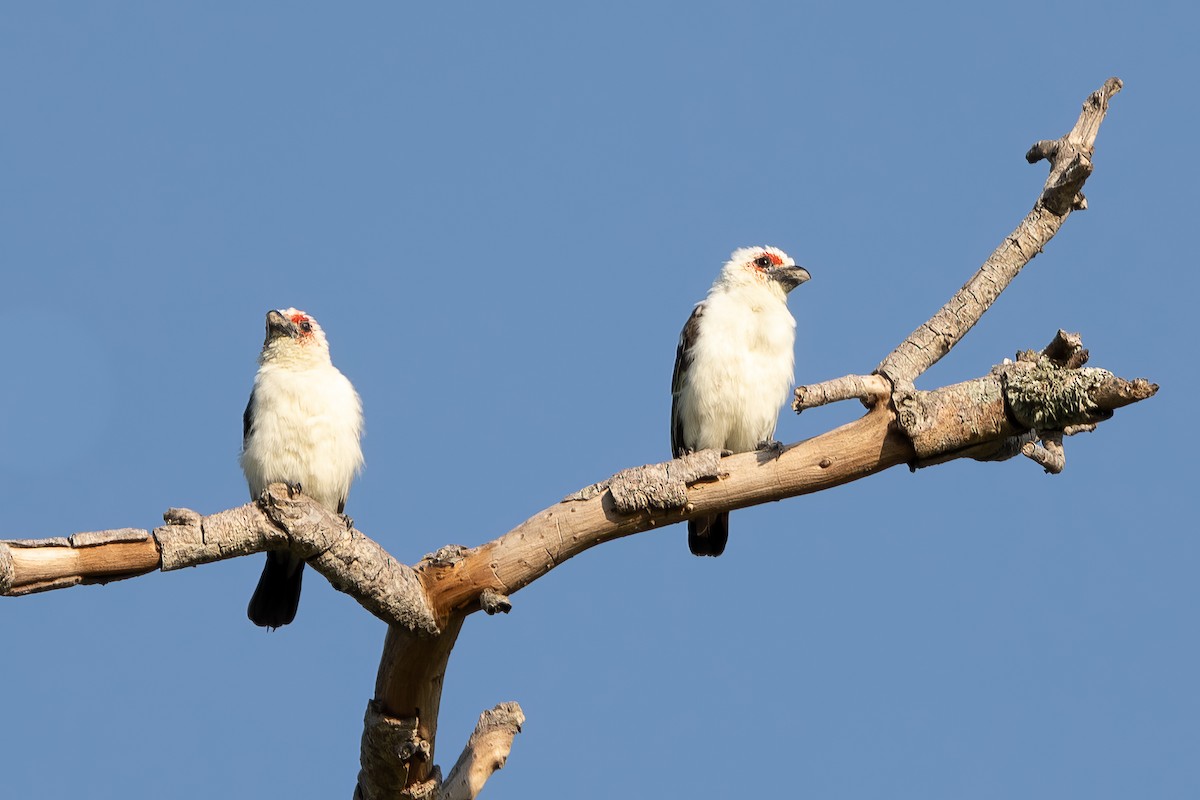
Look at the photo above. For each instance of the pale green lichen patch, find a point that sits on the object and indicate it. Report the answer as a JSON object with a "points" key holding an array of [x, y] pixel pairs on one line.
{"points": [[1047, 398]]}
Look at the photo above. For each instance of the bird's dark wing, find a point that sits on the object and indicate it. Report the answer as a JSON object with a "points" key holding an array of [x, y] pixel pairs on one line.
{"points": [[247, 416], [683, 359]]}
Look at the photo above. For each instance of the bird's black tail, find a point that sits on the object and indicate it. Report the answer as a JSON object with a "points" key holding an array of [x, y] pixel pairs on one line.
{"points": [[277, 595], [707, 535]]}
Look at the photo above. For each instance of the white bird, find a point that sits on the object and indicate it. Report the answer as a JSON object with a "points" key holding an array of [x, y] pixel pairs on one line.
{"points": [[301, 427], [733, 368]]}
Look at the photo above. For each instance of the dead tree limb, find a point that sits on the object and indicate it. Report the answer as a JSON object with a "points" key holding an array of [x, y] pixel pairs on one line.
{"points": [[1071, 163], [1039, 397], [486, 752]]}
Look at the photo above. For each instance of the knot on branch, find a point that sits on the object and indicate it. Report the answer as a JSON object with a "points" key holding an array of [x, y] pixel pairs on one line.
{"points": [[391, 746], [1063, 191], [492, 602], [662, 486], [446, 556], [184, 517]]}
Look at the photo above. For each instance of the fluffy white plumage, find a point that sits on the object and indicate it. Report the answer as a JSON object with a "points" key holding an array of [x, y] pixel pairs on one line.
{"points": [[302, 426], [733, 368]]}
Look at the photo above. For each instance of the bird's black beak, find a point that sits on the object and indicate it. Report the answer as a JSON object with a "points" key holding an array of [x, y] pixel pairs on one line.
{"points": [[278, 326], [790, 277]]}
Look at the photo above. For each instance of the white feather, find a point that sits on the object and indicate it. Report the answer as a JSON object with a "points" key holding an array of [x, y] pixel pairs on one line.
{"points": [[306, 421], [742, 360]]}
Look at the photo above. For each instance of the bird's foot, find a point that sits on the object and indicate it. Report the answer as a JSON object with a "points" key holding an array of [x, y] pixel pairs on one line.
{"points": [[294, 489], [770, 445], [349, 520]]}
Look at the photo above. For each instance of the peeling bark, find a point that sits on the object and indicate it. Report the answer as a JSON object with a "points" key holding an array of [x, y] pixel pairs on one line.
{"points": [[40, 565]]}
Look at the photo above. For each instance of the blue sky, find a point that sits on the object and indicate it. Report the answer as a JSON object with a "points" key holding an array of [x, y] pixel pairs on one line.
{"points": [[502, 215]]}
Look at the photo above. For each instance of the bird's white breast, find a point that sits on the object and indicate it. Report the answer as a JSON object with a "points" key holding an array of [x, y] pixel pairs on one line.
{"points": [[306, 429], [741, 370]]}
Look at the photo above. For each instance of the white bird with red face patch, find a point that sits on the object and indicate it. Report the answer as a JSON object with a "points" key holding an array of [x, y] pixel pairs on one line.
{"points": [[301, 427], [733, 368]]}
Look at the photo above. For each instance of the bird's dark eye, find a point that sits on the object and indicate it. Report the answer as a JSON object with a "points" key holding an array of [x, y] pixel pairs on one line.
{"points": [[762, 262], [306, 326]]}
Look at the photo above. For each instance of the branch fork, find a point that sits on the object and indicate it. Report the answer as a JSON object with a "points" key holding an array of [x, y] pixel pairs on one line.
{"points": [[1024, 407]]}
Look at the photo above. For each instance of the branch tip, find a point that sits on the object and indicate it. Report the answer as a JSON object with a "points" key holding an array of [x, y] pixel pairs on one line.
{"points": [[1049, 454], [485, 752]]}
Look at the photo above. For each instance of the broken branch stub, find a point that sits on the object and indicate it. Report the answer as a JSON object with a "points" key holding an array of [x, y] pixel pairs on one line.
{"points": [[486, 751]]}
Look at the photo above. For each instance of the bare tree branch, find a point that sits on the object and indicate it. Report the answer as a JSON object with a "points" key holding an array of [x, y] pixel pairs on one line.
{"points": [[486, 752], [353, 563], [395, 741], [1049, 454], [40, 565], [870, 389], [1071, 164], [427, 605], [1040, 397]]}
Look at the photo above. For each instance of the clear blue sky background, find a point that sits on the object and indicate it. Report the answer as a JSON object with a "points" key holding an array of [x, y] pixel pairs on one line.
{"points": [[502, 215]]}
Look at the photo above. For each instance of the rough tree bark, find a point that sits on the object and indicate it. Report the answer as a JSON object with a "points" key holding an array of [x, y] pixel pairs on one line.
{"points": [[1023, 407]]}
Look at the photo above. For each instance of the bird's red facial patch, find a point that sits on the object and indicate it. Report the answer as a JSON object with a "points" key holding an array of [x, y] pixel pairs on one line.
{"points": [[303, 323], [764, 261]]}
